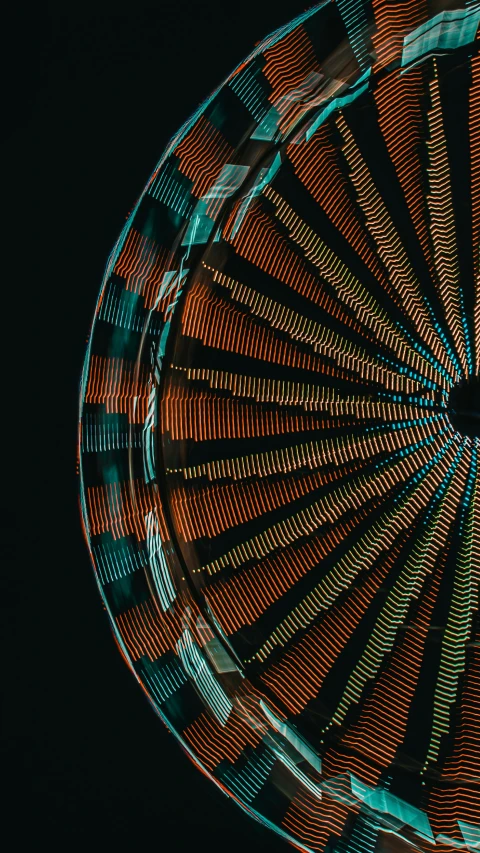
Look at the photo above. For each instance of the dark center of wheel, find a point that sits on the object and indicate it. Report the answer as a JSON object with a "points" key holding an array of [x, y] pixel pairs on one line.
{"points": [[464, 407]]}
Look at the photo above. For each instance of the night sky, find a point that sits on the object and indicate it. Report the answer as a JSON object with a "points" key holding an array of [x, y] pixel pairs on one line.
{"points": [[92, 93]]}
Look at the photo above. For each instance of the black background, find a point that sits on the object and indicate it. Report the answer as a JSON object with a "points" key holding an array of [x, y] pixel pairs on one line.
{"points": [[92, 93]]}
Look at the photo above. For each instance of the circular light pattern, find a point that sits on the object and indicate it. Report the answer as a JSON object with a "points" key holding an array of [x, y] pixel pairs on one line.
{"points": [[280, 421]]}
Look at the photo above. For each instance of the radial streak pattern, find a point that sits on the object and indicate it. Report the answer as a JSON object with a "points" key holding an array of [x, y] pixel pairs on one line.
{"points": [[280, 431]]}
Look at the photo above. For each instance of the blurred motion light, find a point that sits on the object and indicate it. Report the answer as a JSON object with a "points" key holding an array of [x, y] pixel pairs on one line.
{"points": [[279, 431]]}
